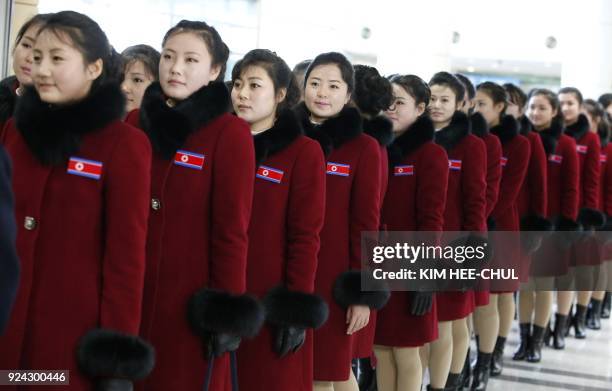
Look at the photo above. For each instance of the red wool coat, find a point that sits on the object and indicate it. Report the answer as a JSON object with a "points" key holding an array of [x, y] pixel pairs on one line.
{"points": [[8, 99], [202, 191], [352, 205], [414, 201], [532, 199], [382, 130], [287, 216], [82, 211], [505, 215], [493, 178], [605, 200], [563, 195], [465, 200]]}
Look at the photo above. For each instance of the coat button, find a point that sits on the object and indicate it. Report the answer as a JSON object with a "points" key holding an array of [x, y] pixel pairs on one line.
{"points": [[29, 223], [155, 204]]}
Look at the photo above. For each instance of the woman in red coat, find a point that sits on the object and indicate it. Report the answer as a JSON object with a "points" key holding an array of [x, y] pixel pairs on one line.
{"points": [[414, 201], [373, 95], [81, 188], [585, 254], [287, 216], [13, 86], [599, 123], [140, 69], [465, 211], [202, 179], [552, 259], [491, 102], [352, 205]]}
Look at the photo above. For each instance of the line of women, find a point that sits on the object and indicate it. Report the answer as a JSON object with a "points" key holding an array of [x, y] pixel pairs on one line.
{"points": [[176, 232]]}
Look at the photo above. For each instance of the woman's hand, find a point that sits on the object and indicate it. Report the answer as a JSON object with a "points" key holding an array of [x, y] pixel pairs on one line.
{"points": [[357, 317]]}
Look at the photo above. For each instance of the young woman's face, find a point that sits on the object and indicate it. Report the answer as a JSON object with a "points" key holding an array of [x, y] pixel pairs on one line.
{"points": [[22, 56], [540, 112], [185, 66], [489, 110], [593, 121], [404, 111], [326, 92], [570, 108], [442, 105], [254, 99], [59, 71], [514, 110], [135, 82]]}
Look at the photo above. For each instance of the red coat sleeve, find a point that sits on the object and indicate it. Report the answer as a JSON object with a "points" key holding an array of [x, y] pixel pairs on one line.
{"points": [[127, 198], [513, 176], [607, 199], [474, 187], [570, 181], [590, 174], [365, 199], [232, 199], [536, 175], [494, 171], [431, 192], [133, 118], [306, 213]]}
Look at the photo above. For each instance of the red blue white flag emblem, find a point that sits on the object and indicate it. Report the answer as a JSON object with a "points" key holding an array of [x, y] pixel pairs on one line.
{"points": [[403, 170], [189, 159], [270, 174], [555, 158], [86, 168], [603, 158], [504, 161], [338, 169], [454, 165], [582, 148]]}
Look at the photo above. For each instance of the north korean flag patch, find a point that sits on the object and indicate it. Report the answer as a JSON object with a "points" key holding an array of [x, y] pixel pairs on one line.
{"points": [[269, 174], [403, 170], [189, 159], [555, 158], [603, 158], [85, 168], [338, 169], [582, 148], [504, 161], [454, 165]]}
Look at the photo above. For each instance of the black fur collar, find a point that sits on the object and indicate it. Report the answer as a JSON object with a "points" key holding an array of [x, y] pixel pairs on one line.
{"points": [[451, 135], [8, 98], [285, 130], [380, 128], [604, 136], [579, 129], [168, 127], [420, 132], [550, 136], [53, 133], [333, 132], [478, 125], [525, 125], [507, 129]]}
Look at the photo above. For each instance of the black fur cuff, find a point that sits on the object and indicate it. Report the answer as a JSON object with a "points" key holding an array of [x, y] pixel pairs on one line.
{"points": [[591, 218], [535, 223], [565, 224], [607, 226], [212, 311], [109, 354], [293, 308], [347, 290]]}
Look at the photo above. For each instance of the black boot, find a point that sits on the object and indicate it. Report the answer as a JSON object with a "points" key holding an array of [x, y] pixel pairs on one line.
{"points": [[355, 367], [570, 321], [559, 333], [580, 322], [607, 303], [594, 321], [534, 351], [453, 382], [481, 372], [521, 353], [497, 361], [367, 375], [466, 372], [548, 333]]}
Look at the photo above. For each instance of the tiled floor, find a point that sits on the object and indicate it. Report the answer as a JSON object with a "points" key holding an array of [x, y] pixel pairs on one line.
{"points": [[583, 365]]}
